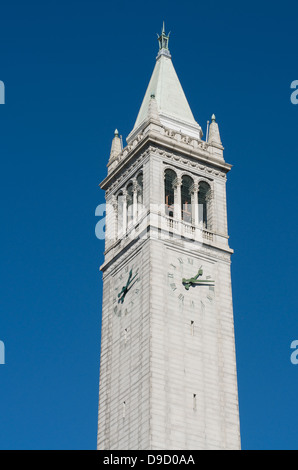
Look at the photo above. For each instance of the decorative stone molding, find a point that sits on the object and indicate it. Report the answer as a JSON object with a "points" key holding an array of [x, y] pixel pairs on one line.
{"points": [[194, 187], [177, 182], [174, 157], [114, 202], [205, 180], [183, 161], [122, 180], [210, 196], [170, 133], [135, 185]]}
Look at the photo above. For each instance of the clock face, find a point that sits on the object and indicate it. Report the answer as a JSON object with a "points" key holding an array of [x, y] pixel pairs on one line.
{"points": [[126, 289], [191, 282]]}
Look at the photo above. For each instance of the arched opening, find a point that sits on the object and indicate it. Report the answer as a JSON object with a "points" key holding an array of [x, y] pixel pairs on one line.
{"points": [[170, 177], [186, 211], [140, 189], [120, 205], [129, 203], [204, 197]]}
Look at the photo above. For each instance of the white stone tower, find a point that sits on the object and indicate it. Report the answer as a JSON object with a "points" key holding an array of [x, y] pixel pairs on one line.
{"points": [[168, 369]]}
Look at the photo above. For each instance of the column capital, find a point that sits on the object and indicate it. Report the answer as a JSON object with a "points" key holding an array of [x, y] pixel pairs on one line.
{"points": [[177, 182], [114, 202], [194, 188], [209, 195], [135, 185], [113, 199]]}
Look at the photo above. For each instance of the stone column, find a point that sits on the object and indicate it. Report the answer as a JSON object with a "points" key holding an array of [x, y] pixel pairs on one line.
{"points": [[177, 199], [199, 209], [194, 204], [114, 203], [135, 201], [209, 201], [124, 202]]}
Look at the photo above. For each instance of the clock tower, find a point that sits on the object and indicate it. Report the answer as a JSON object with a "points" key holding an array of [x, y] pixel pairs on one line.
{"points": [[168, 377]]}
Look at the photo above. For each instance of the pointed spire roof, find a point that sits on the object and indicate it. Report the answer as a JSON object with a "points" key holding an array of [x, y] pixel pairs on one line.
{"points": [[214, 135], [173, 109], [116, 146]]}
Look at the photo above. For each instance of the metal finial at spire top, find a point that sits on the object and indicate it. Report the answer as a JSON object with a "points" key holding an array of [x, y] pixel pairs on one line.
{"points": [[163, 39], [213, 118]]}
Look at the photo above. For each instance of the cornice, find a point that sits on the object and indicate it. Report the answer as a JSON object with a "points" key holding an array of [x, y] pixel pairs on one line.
{"points": [[175, 145]]}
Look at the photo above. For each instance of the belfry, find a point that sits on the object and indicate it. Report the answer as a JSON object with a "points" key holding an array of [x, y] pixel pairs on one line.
{"points": [[168, 378]]}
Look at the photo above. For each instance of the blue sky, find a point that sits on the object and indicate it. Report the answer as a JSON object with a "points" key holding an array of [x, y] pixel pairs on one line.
{"points": [[73, 72]]}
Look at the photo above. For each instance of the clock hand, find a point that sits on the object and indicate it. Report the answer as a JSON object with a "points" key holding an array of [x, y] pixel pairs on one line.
{"points": [[132, 285], [122, 294], [127, 283], [130, 281], [194, 282], [200, 273], [193, 279], [122, 291], [125, 288], [199, 283]]}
